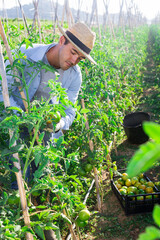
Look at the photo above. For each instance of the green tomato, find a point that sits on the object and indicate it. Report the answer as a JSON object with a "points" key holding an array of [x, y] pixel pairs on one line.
{"points": [[84, 215], [55, 117], [88, 167], [81, 223]]}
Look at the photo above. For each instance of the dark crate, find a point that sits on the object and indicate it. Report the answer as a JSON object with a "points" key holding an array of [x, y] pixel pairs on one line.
{"points": [[132, 205]]}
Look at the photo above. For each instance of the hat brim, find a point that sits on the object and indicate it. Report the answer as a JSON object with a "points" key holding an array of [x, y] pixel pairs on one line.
{"points": [[79, 49]]}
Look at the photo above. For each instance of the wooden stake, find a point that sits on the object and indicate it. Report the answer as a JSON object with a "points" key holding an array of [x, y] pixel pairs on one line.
{"points": [[36, 16], [2, 33], [24, 18], [94, 168], [16, 164]]}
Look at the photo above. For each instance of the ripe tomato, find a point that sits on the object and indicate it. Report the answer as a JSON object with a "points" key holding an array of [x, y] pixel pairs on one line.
{"points": [[81, 223], [84, 215]]}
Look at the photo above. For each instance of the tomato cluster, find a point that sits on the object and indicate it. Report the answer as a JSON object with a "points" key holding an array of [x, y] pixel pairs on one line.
{"points": [[83, 217], [53, 117]]}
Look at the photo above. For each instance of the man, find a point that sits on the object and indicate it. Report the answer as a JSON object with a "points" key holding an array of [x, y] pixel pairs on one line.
{"points": [[74, 45]]}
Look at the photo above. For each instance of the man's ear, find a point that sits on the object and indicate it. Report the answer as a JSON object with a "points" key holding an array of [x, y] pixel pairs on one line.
{"points": [[62, 40]]}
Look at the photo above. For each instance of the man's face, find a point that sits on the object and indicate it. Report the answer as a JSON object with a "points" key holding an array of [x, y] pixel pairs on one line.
{"points": [[68, 55]]}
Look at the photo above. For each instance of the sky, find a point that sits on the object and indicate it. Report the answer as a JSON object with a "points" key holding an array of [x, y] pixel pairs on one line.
{"points": [[148, 8]]}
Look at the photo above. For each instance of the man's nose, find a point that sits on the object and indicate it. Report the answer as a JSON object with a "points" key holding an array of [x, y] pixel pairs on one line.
{"points": [[74, 59]]}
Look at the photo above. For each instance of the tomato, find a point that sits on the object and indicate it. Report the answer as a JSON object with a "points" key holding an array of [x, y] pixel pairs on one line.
{"points": [[150, 184], [81, 223], [141, 175], [142, 181], [128, 182], [55, 117], [124, 176], [88, 167], [141, 191], [137, 184], [134, 180], [120, 181], [143, 187], [118, 185], [123, 191], [132, 189], [84, 215], [149, 190], [140, 198]]}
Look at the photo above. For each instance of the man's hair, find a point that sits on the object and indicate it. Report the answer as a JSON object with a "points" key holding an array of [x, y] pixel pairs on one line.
{"points": [[66, 41]]}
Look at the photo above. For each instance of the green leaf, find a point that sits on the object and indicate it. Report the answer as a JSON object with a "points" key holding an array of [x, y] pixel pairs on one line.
{"points": [[4, 198], [151, 233], [17, 148], [39, 232], [13, 138], [85, 110], [156, 214], [14, 169], [38, 157], [152, 130], [16, 109], [50, 225], [105, 118], [144, 158], [41, 136]]}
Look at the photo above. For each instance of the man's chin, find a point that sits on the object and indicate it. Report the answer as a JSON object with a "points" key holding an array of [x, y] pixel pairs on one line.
{"points": [[66, 67]]}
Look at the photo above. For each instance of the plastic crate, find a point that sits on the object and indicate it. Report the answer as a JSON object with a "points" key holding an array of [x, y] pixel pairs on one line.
{"points": [[132, 205]]}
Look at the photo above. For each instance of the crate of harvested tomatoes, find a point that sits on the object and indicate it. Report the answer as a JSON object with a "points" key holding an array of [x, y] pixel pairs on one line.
{"points": [[136, 195]]}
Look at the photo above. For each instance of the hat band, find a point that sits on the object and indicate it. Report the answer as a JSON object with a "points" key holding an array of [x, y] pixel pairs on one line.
{"points": [[78, 42]]}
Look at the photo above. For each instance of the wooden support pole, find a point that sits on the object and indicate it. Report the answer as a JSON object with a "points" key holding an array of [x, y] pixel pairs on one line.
{"points": [[20, 183], [2, 33], [94, 168], [24, 18]]}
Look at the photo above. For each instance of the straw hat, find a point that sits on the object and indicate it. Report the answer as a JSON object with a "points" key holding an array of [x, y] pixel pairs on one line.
{"points": [[81, 37]]}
